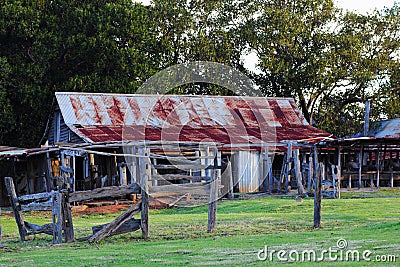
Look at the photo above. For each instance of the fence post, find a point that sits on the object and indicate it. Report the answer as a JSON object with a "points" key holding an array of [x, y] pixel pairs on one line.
{"points": [[318, 190], [57, 217], [19, 218], [212, 204], [145, 176]]}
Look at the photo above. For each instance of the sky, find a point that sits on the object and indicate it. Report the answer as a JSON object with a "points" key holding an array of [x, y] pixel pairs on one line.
{"points": [[363, 6]]}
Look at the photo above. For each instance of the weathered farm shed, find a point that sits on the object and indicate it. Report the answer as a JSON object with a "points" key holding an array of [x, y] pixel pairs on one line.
{"points": [[371, 158], [89, 131], [236, 122]]}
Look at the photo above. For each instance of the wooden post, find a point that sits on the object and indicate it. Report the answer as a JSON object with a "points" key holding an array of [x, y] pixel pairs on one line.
{"points": [[154, 172], [349, 185], [366, 117], [297, 168], [310, 172], [360, 162], [132, 163], [145, 176], [229, 169], [19, 218], [123, 179], [67, 224], [57, 217], [73, 165], [288, 166], [303, 169], [266, 166], [339, 170], [391, 171], [49, 174], [212, 204], [318, 190], [283, 172], [378, 169]]}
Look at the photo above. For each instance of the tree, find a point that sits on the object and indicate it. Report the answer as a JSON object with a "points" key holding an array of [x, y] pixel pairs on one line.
{"points": [[327, 60], [47, 46]]}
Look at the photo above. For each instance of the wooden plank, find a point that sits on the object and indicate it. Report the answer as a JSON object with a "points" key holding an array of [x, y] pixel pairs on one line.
{"points": [[19, 218], [178, 177], [34, 229], [37, 197], [110, 191], [177, 200], [194, 188], [108, 229], [165, 194], [37, 206], [180, 167], [318, 190], [128, 226]]}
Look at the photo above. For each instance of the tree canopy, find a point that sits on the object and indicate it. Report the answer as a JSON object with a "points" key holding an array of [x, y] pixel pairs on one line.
{"points": [[330, 61]]}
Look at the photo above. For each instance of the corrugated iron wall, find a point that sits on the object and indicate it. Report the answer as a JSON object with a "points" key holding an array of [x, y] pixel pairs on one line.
{"points": [[247, 170]]}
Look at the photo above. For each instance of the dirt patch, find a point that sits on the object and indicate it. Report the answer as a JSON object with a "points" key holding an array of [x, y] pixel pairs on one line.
{"points": [[84, 210]]}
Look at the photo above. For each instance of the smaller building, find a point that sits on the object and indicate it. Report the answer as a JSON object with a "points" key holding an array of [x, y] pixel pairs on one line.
{"points": [[372, 160]]}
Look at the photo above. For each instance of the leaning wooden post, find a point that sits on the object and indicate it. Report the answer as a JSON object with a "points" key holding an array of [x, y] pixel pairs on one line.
{"points": [[145, 174], [318, 190], [212, 204], [19, 218]]}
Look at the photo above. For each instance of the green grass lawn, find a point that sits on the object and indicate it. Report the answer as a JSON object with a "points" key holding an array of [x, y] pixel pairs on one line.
{"points": [[178, 237]]}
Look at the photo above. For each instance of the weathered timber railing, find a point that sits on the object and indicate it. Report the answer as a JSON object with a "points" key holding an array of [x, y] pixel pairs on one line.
{"points": [[55, 201], [206, 186]]}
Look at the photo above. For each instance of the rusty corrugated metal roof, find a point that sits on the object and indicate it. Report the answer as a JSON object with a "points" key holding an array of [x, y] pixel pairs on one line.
{"points": [[9, 152], [223, 119]]}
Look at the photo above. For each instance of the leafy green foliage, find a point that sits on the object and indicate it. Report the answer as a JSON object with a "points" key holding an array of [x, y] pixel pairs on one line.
{"points": [[329, 61]]}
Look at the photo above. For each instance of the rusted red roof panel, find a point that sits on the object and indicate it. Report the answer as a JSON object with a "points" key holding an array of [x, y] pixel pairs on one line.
{"points": [[228, 119]]}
